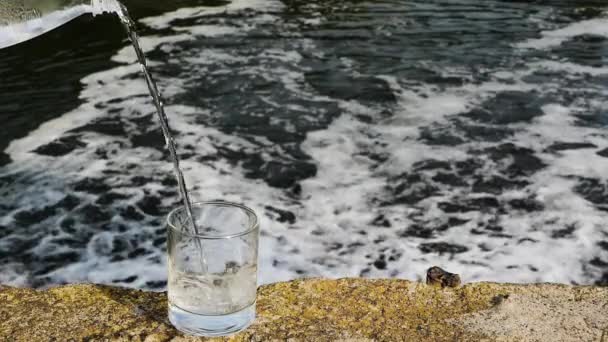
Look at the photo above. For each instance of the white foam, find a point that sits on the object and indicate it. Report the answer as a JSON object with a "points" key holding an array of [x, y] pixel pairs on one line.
{"points": [[552, 38]]}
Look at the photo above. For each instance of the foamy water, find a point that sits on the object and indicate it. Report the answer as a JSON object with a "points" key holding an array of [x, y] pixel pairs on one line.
{"points": [[371, 142]]}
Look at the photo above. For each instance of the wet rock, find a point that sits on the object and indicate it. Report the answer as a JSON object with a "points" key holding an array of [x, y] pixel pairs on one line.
{"points": [[436, 276], [61, 146], [442, 248], [283, 215]]}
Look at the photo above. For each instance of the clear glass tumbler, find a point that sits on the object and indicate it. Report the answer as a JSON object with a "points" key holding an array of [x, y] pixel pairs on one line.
{"points": [[213, 273]]}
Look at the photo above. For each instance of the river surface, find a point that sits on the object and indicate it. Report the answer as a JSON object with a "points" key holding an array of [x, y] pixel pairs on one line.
{"points": [[373, 139]]}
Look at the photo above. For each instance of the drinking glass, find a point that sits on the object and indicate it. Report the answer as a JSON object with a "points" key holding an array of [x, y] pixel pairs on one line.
{"points": [[212, 272]]}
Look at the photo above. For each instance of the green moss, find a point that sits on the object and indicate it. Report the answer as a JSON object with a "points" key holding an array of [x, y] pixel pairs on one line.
{"points": [[309, 310]]}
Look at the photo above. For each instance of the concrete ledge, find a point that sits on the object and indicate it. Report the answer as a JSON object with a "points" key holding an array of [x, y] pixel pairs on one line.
{"points": [[322, 310]]}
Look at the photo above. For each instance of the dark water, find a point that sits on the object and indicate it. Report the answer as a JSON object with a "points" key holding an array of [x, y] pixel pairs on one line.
{"points": [[374, 138]]}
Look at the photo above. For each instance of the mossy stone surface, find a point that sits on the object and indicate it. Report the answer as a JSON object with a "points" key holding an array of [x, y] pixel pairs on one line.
{"points": [[321, 310]]}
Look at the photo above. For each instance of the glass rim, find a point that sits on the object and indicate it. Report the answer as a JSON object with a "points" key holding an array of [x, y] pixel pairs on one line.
{"points": [[250, 228]]}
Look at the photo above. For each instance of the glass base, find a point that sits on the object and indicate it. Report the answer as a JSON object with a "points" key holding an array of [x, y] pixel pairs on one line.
{"points": [[210, 326]]}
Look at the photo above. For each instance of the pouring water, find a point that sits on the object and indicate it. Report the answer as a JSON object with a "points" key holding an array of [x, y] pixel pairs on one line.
{"points": [[21, 20]]}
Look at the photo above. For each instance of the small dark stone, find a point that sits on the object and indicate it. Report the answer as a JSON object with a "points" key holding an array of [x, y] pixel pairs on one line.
{"points": [[437, 276], [442, 248], [603, 245], [284, 215]]}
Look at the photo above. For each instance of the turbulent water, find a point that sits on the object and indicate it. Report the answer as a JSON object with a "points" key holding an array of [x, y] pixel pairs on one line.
{"points": [[372, 138]]}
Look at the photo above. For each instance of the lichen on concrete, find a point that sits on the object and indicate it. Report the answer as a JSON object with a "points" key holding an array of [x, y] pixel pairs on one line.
{"points": [[321, 310]]}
